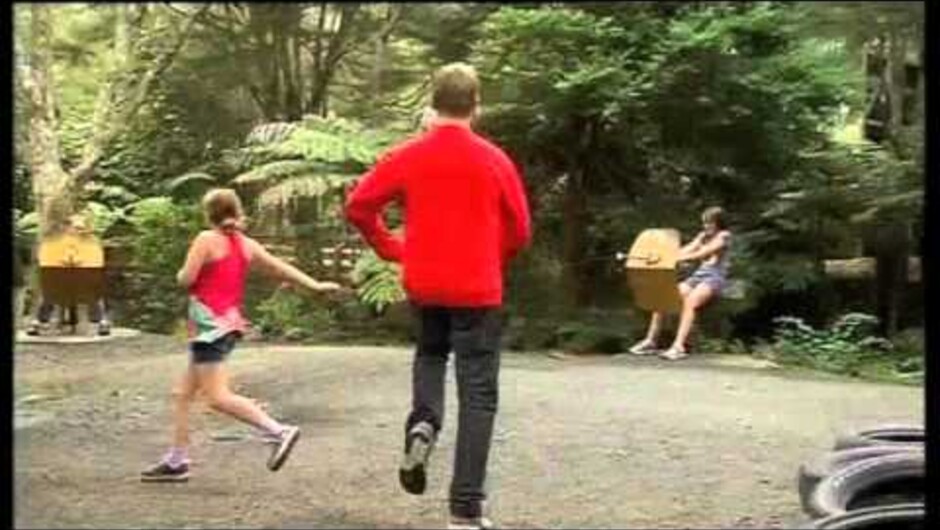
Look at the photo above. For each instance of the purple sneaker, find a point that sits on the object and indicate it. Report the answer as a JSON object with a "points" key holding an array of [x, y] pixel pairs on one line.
{"points": [[164, 472]]}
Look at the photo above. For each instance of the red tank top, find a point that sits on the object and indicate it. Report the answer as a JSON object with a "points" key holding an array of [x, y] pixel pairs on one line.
{"points": [[215, 298]]}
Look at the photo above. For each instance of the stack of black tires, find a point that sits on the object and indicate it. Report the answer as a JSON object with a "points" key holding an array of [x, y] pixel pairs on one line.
{"points": [[873, 479]]}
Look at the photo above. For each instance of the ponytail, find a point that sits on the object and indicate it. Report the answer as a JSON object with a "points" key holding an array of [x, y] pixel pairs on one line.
{"points": [[230, 224]]}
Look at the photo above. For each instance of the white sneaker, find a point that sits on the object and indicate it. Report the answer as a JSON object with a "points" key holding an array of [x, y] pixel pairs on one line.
{"points": [[673, 354], [412, 473], [644, 347], [285, 443]]}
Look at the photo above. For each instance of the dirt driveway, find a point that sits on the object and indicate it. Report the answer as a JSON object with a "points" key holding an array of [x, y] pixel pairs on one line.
{"points": [[581, 442]]}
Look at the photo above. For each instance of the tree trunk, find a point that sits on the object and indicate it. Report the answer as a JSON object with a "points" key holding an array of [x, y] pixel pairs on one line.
{"points": [[892, 238], [574, 234], [48, 177], [116, 110], [890, 244], [575, 215], [392, 15], [326, 58], [378, 62], [276, 82], [293, 101], [265, 91], [55, 191], [894, 82]]}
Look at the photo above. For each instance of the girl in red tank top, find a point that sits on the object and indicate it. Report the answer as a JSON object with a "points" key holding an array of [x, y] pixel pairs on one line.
{"points": [[215, 298], [214, 274]]}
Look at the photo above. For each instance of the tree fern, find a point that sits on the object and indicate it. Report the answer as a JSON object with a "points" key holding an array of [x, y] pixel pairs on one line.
{"points": [[378, 282], [274, 172], [293, 188], [190, 184], [187, 178], [267, 133], [313, 158]]}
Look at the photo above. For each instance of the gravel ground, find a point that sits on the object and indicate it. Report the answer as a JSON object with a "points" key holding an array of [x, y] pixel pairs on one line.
{"points": [[581, 442]]}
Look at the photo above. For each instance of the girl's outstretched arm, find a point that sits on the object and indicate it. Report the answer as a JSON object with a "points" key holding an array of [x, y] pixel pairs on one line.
{"points": [[280, 269]]}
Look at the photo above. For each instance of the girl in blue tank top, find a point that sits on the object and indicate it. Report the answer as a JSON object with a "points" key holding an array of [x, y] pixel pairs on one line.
{"points": [[711, 248]]}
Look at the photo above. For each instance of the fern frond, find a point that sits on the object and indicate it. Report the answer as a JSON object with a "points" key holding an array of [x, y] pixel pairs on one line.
{"points": [[273, 172], [308, 186], [267, 133], [188, 179]]}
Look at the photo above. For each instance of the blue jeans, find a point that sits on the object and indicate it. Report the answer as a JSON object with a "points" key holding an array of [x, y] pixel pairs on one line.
{"points": [[473, 334]]}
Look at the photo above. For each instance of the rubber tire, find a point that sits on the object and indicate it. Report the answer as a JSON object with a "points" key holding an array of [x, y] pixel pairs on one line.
{"points": [[889, 434], [836, 493], [892, 517], [815, 470]]}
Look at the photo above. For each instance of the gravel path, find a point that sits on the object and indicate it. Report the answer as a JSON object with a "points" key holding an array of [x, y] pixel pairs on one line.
{"points": [[584, 442]]}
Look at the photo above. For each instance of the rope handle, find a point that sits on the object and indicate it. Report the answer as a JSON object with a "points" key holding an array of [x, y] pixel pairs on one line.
{"points": [[648, 258]]}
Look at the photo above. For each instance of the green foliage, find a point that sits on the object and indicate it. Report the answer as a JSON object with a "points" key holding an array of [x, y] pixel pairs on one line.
{"points": [[290, 191], [26, 226], [102, 218], [848, 346], [290, 315], [160, 147], [598, 333], [660, 116], [378, 282], [341, 143], [722, 346], [642, 112], [337, 145], [191, 185], [282, 164], [162, 231], [672, 89], [275, 171], [161, 225]]}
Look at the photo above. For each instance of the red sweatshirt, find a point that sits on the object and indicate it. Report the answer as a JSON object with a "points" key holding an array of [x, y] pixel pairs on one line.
{"points": [[465, 210]]}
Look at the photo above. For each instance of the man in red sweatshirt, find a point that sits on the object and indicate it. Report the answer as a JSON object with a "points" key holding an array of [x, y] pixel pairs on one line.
{"points": [[466, 217]]}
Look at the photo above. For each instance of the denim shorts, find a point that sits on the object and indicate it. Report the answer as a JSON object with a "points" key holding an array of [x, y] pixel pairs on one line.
{"points": [[215, 351], [710, 276]]}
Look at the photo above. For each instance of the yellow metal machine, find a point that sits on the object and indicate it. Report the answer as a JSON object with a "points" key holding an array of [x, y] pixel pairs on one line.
{"points": [[652, 270], [71, 269]]}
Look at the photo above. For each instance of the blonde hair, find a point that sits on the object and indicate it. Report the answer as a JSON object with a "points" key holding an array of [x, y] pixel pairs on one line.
{"points": [[223, 208], [456, 90]]}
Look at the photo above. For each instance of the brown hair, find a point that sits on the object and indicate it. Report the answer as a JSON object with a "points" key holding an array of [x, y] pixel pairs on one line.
{"points": [[223, 208], [456, 90], [716, 215]]}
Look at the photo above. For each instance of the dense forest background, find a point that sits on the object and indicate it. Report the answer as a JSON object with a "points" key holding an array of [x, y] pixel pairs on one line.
{"points": [[804, 120]]}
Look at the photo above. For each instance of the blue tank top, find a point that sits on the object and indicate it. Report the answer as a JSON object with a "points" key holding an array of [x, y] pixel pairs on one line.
{"points": [[722, 264]]}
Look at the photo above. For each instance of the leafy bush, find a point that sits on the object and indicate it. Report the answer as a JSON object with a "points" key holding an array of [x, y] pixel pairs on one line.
{"points": [[378, 281], [722, 346], [596, 330], [291, 315], [282, 163], [848, 346], [162, 231], [594, 336]]}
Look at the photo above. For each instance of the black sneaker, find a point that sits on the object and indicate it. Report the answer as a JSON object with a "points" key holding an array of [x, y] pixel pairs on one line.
{"points": [[104, 328], [285, 444], [418, 446], [163, 472]]}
